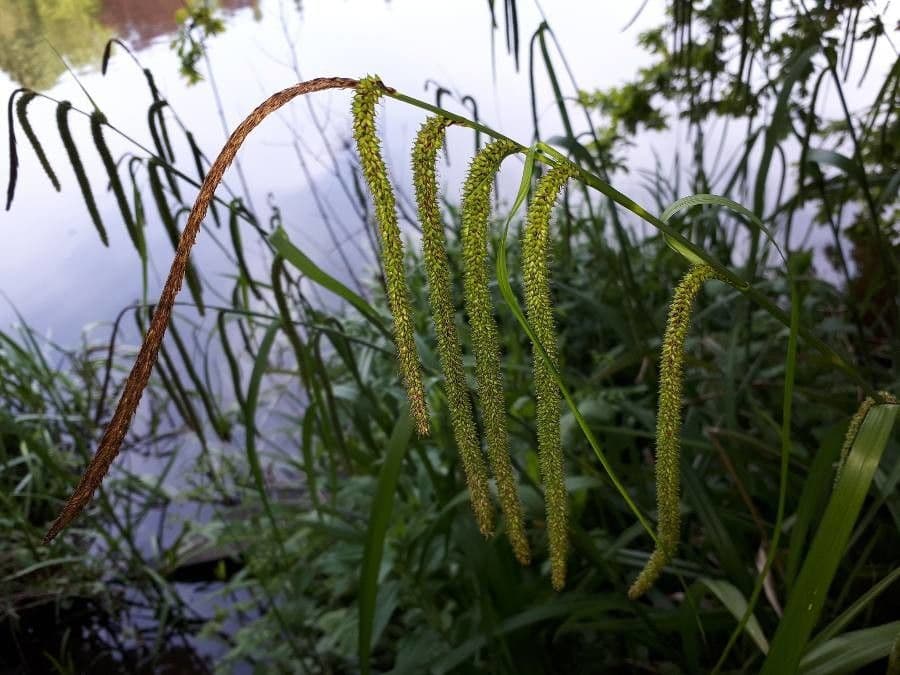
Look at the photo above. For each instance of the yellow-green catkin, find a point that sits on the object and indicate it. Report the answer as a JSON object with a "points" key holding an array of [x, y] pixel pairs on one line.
{"points": [[536, 281], [476, 211], [855, 423], [668, 427], [368, 92], [424, 157]]}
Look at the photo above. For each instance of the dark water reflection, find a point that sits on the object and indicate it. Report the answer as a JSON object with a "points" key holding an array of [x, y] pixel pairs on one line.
{"points": [[78, 31], [140, 22]]}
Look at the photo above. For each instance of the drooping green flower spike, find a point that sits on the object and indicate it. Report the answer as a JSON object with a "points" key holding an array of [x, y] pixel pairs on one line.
{"points": [[855, 423], [368, 92], [536, 280], [462, 419], [476, 210], [668, 427]]}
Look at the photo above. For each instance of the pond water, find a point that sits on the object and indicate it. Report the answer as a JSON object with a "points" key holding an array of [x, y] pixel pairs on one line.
{"points": [[54, 269]]}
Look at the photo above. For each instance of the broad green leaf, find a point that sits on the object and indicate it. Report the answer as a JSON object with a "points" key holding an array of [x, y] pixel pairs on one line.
{"points": [[851, 651], [808, 597], [252, 399], [735, 602], [304, 263], [379, 520]]}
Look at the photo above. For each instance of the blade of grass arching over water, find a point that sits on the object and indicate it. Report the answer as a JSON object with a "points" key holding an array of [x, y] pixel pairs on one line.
{"points": [[808, 597], [282, 244], [380, 518], [233, 367], [234, 228], [214, 415]]}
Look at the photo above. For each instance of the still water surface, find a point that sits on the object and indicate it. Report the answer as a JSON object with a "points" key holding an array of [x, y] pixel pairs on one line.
{"points": [[54, 269]]}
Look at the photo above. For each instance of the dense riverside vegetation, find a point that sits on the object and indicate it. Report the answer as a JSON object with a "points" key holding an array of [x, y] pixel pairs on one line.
{"points": [[598, 450]]}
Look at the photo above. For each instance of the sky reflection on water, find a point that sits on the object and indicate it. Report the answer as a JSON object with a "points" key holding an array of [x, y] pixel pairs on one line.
{"points": [[53, 267]]}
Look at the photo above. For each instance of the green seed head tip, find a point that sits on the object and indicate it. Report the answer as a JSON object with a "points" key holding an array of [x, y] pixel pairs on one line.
{"points": [[539, 305], [424, 157], [476, 211], [855, 423], [668, 427], [368, 92]]}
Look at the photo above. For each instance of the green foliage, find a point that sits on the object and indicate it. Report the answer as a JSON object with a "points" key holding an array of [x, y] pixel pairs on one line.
{"points": [[198, 22]]}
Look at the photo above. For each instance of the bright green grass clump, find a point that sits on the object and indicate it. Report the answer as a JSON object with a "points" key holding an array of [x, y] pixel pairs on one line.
{"points": [[368, 92], [476, 210], [536, 280], [424, 157]]}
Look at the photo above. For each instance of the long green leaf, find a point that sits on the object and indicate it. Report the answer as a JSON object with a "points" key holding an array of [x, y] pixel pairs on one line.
{"points": [[379, 520], [735, 602], [252, 398], [282, 244], [808, 597], [851, 651]]}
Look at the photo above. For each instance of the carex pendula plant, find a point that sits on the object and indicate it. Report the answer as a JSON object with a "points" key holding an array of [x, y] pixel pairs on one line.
{"points": [[490, 406]]}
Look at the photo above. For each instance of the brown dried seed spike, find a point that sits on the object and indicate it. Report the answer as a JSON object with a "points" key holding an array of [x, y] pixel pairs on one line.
{"points": [[140, 372]]}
